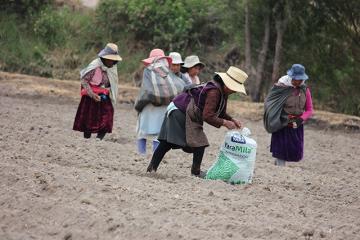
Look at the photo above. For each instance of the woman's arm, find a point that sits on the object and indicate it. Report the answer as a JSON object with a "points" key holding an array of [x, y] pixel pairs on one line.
{"points": [[308, 106], [85, 84], [210, 107], [213, 97], [227, 117]]}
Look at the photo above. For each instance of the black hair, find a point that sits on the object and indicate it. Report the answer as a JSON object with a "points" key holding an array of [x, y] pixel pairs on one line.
{"points": [[219, 80], [183, 69], [103, 61]]}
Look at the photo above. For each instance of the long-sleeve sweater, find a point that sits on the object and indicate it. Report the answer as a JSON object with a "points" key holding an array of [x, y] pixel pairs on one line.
{"points": [[308, 106], [211, 104]]}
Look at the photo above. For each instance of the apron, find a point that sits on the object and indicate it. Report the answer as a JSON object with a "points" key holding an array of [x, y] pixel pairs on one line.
{"points": [[195, 135]]}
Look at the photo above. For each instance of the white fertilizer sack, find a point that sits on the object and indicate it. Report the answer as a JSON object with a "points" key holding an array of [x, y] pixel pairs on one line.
{"points": [[236, 160]]}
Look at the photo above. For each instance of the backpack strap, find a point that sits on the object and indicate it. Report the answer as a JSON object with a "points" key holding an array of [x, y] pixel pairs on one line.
{"points": [[204, 85]]}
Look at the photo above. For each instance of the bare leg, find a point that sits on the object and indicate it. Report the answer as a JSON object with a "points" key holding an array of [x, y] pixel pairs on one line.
{"points": [[280, 162]]}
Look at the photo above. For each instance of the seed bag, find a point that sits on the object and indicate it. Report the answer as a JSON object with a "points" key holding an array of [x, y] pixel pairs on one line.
{"points": [[236, 160]]}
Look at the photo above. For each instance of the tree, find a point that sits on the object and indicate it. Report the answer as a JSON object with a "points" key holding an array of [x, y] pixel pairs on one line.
{"points": [[256, 73], [325, 38], [281, 13]]}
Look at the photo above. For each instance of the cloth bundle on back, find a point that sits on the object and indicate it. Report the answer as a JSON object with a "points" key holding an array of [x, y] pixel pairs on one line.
{"points": [[287, 106], [159, 85], [158, 88], [274, 117]]}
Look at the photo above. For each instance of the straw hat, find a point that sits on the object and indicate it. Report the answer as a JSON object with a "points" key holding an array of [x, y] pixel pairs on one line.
{"points": [[156, 54], [176, 58], [110, 52], [191, 61], [234, 79], [297, 72]]}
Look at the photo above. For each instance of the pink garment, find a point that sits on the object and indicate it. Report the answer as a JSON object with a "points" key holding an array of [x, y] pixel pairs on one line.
{"points": [[97, 78], [96, 90], [308, 106], [93, 83]]}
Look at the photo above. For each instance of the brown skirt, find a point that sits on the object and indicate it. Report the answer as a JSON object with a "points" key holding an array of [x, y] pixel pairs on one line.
{"points": [[93, 116], [195, 135], [173, 131]]}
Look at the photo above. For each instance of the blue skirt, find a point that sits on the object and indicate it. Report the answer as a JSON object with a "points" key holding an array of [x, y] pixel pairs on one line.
{"points": [[288, 144]]}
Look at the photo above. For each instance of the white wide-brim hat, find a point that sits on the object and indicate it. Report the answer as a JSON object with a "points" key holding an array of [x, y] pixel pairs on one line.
{"points": [[191, 61], [234, 79], [176, 58], [110, 52]]}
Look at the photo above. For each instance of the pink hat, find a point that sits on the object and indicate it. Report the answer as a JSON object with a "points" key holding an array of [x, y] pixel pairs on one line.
{"points": [[156, 54]]}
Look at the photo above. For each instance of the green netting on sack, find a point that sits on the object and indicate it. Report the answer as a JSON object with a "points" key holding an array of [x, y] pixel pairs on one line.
{"points": [[236, 160], [224, 169]]}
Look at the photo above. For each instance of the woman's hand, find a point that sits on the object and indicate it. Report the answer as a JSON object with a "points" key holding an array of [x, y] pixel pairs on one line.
{"points": [[229, 124], [238, 124], [97, 98]]}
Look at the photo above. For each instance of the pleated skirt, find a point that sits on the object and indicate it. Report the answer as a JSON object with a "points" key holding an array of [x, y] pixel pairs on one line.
{"points": [[94, 117], [288, 144]]}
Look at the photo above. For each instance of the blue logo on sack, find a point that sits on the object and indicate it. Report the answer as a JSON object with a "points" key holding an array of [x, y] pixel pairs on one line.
{"points": [[238, 139]]}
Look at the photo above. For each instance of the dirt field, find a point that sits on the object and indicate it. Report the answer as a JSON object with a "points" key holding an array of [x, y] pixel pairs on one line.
{"points": [[57, 185]]}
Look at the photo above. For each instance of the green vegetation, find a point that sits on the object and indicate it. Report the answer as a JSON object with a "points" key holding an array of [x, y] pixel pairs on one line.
{"points": [[56, 41], [169, 24]]}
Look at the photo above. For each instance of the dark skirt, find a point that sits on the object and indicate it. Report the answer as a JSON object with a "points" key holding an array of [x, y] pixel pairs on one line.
{"points": [[173, 131], [93, 116], [288, 144]]}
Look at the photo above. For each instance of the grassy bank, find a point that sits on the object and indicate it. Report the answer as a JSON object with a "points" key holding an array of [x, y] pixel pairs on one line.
{"points": [[61, 47], [50, 40]]}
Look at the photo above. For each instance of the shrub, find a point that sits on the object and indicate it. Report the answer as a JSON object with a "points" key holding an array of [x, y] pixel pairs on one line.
{"points": [[166, 24], [24, 7], [51, 26]]}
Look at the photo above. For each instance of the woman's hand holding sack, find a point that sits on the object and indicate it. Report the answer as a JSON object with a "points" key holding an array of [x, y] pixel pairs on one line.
{"points": [[233, 124]]}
